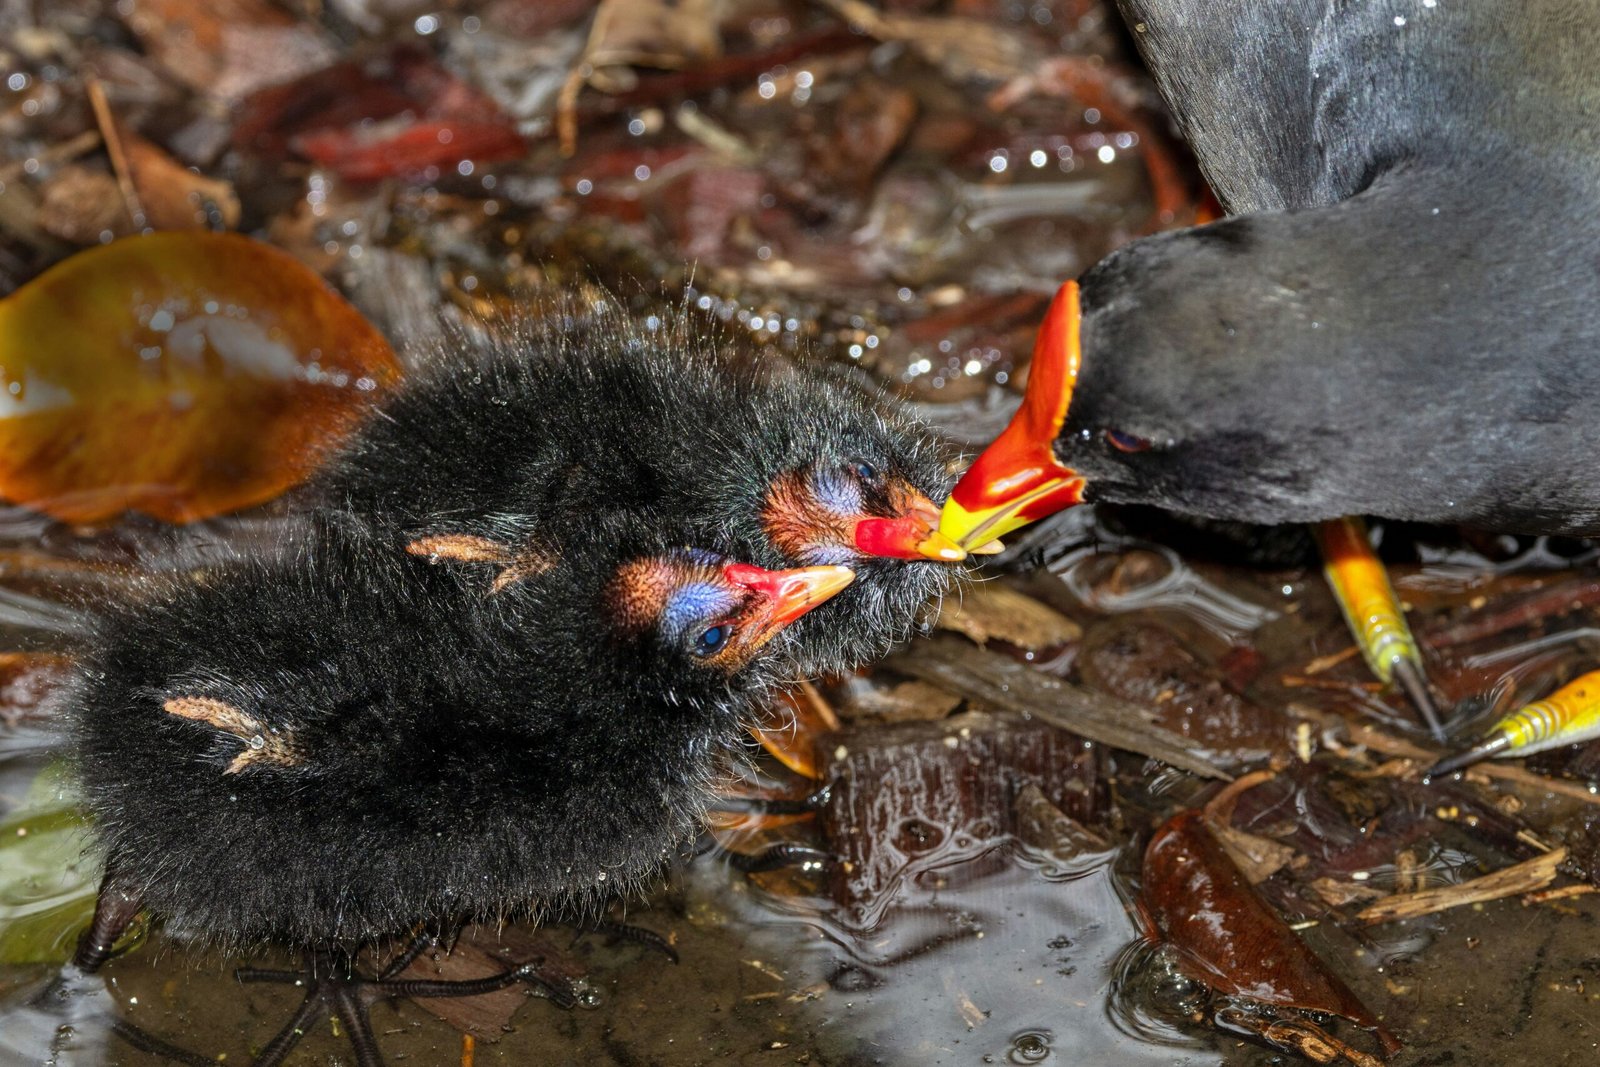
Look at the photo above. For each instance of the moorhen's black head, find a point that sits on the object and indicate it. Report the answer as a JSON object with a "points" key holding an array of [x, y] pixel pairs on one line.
{"points": [[332, 745], [536, 432], [1282, 368]]}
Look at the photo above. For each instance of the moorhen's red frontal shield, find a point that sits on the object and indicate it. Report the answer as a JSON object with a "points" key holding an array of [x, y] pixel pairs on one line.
{"points": [[1018, 479]]}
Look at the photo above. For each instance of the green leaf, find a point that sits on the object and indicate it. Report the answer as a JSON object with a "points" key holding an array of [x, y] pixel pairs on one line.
{"points": [[47, 881]]}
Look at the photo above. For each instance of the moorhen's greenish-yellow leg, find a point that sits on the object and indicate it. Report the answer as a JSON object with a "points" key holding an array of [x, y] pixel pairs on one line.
{"points": [[1569, 715], [1375, 617]]}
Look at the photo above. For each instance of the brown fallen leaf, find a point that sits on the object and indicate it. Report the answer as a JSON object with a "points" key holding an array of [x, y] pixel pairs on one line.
{"points": [[1523, 877], [964, 48], [668, 34], [901, 702], [483, 951], [991, 610], [1043, 826], [26, 681], [79, 204], [1258, 857], [1338, 893], [1197, 901], [161, 192], [226, 47], [182, 374]]}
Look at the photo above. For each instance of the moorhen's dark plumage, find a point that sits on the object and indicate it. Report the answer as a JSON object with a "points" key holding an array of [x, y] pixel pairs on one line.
{"points": [[1399, 321], [332, 745], [521, 438]]}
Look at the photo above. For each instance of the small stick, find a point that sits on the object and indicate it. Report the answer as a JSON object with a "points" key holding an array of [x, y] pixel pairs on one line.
{"points": [[1521, 878]]}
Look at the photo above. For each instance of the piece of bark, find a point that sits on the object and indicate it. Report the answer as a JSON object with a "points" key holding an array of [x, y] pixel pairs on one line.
{"points": [[991, 610], [1000, 681], [919, 793]]}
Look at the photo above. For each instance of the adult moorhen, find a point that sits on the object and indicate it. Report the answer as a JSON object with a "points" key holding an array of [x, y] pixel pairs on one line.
{"points": [[1397, 321], [1394, 322]]}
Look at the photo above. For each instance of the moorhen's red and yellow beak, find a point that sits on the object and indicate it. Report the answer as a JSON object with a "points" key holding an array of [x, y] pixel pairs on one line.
{"points": [[784, 595], [913, 535], [1018, 479]]}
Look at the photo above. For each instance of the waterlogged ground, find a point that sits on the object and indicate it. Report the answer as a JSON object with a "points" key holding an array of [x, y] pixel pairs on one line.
{"points": [[895, 189]]}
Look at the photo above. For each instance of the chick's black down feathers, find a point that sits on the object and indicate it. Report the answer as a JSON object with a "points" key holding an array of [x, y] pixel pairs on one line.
{"points": [[334, 744], [532, 433]]}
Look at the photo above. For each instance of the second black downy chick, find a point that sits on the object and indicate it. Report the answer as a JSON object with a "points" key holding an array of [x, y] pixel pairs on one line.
{"points": [[334, 745], [523, 438]]}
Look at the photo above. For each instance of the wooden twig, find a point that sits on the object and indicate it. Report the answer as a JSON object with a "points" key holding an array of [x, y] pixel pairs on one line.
{"points": [[1523, 877]]}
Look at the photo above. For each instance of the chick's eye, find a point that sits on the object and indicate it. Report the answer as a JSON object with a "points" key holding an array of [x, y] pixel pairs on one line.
{"points": [[863, 470], [712, 639], [1127, 442]]}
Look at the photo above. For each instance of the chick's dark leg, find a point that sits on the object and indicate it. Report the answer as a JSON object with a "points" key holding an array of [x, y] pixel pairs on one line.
{"points": [[334, 988], [114, 911]]}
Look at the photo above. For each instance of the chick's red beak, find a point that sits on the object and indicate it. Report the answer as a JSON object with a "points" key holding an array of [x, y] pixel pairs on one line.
{"points": [[1018, 479], [786, 595], [913, 535]]}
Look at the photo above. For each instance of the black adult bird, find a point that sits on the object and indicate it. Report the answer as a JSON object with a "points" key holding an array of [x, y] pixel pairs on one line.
{"points": [[1399, 321], [329, 747], [516, 440]]}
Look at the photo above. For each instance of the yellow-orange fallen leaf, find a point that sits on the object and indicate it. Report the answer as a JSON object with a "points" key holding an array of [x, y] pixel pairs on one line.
{"points": [[798, 718], [180, 374]]}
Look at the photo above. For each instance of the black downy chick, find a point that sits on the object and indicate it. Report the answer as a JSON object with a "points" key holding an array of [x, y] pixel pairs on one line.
{"points": [[529, 434], [332, 746], [1398, 321]]}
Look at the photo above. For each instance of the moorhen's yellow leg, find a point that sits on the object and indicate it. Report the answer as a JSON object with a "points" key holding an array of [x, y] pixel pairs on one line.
{"points": [[1570, 714], [1373, 613]]}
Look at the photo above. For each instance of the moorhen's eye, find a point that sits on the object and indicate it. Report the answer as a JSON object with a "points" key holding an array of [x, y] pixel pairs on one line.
{"points": [[710, 642], [1127, 442]]}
